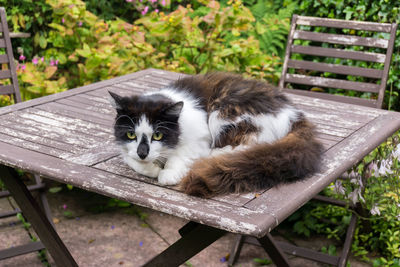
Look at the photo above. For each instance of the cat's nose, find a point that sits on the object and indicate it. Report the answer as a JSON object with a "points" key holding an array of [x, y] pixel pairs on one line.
{"points": [[143, 150]]}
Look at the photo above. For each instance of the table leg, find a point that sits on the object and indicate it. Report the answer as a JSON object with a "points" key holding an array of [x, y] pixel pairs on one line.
{"points": [[194, 239], [36, 217], [274, 252]]}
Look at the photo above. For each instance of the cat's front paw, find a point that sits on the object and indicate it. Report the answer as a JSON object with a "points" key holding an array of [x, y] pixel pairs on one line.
{"points": [[169, 177]]}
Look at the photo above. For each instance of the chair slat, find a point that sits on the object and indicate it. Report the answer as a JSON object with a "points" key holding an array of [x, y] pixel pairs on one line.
{"points": [[3, 59], [2, 43], [1, 27], [333, 68], [338, 98], [5, 74], [340, 39], [337, 23], [332, 83], [338, 53], [6, 90]]}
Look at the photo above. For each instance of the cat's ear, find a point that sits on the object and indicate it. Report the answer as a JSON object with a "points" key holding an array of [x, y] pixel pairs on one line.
{"points": [[174, 109], [115, 100]]}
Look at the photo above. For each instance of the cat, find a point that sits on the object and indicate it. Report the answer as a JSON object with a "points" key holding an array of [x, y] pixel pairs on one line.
{"points": [[215, 134]]}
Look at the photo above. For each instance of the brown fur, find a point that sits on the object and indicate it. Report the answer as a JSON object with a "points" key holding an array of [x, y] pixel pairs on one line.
{"points": [[260, 167]]}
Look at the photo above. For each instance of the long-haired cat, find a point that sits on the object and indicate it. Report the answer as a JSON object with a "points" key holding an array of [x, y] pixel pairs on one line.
{"points": [[215, 134]]}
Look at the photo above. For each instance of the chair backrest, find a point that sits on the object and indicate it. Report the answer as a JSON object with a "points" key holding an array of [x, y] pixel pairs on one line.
{"points": [[7, 58], [336, 50]]}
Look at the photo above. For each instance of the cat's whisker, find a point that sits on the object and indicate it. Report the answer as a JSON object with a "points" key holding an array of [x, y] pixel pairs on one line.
{"points": [[123, 116]]}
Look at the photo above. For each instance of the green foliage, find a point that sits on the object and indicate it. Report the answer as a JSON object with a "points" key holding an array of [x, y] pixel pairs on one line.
{"points": [[272, 24]]}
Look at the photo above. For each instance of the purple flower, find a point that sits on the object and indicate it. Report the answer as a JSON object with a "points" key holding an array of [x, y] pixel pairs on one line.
{"points": [[163, 2], [112, 226], [145, 10], [42, 59], [223, 259], [57, 61], [129, 1], [62, 20], [153, 1], [22, 57], [23, 67], [156, 10], [80, 23], [140, 243], [52, 62], [65, 206], [35, 61]]}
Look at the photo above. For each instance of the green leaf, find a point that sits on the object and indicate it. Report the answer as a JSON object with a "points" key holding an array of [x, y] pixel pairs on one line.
{"points": [[42, 42], [55, 189]]}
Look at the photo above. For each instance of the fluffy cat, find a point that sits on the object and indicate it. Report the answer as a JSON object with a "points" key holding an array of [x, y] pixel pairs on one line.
{"points": [[215, 134]]}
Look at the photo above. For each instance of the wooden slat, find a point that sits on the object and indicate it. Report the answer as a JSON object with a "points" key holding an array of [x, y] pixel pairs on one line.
{"points": [[73, 113], [39, 139], [80, 124], [66, 132], [5, 74], [339, 98], [332, 83], [104, 112], [3, 59], [2, 43], [335, 68], [51, 135], [338, 53], [67, 106], [1, 27], [6, 89], [331, 106], [344, 24], [33, 146], [95, 105], [340, 39]]}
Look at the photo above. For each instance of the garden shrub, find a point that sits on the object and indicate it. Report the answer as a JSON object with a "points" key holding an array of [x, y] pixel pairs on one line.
{"points": [[89, 49]]}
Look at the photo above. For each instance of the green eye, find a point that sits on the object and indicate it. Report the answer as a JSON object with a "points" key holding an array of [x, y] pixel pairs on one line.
{"points": [[157, 136], [131, 135]]}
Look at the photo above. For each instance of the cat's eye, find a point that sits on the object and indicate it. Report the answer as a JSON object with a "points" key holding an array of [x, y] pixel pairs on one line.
{"points": [[157, 136], [131, 135]]}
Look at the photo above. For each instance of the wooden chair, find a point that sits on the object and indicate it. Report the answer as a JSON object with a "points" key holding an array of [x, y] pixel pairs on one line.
{"points": [[318, 72], [13, 90]]}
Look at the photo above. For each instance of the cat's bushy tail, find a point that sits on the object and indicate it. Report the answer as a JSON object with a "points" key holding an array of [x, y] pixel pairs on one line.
{"points": [[261, 166]]}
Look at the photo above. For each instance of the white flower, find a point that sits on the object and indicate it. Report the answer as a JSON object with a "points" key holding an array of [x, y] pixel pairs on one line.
{"points": [[339, 189], [355, 196], [396, 152], [375, 210], [385, 167]]}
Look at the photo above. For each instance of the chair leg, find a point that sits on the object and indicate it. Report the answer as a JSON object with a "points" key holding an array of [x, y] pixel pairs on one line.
{"points": [[36, 217], [347, 243], [195, 238], [273, 250], [236, 248]]}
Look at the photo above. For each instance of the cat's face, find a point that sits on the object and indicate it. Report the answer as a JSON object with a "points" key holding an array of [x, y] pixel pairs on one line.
{"points": [[147, 127]]}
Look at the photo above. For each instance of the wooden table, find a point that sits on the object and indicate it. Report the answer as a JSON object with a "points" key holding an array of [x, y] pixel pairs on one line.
{"points": [[67, 137]]}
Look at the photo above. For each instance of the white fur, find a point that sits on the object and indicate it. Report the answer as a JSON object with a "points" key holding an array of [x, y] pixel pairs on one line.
{"points": [[194, 142], [272, 127]]}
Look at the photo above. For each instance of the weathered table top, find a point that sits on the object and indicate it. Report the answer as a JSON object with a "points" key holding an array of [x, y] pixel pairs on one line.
{"points": [[68, 137]]}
